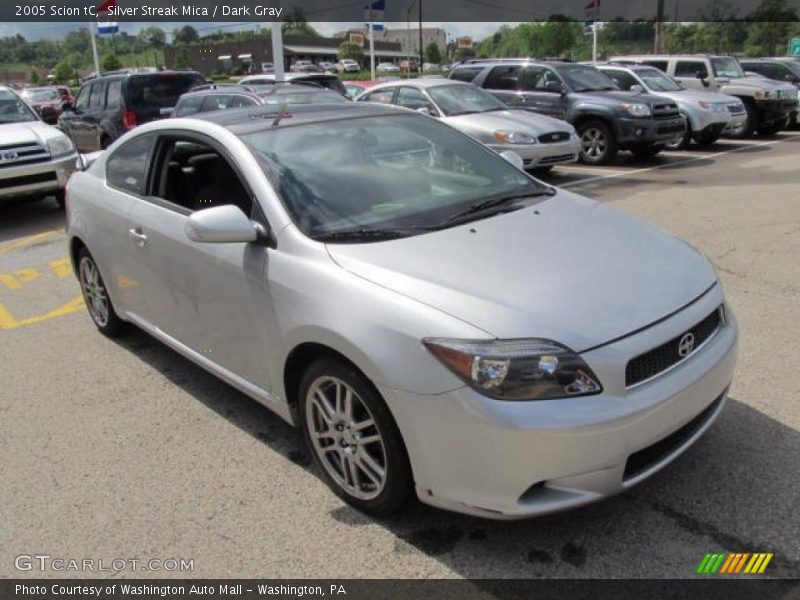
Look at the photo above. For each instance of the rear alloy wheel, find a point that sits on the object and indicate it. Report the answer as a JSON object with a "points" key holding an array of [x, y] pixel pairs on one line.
{"points": [[354, 438], [96, 296], [598, 145], [752, 124]]}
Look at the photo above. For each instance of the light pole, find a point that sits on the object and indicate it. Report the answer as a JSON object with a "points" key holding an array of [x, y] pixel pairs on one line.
{"points": [[421, 55], [408, 35]]}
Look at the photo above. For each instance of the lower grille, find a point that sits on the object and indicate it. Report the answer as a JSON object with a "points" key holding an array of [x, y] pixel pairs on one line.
{"points": [[735, 108], [666, 355], [28, 180], [677, 128], [642, 460], [551, 160], [665, 111]]}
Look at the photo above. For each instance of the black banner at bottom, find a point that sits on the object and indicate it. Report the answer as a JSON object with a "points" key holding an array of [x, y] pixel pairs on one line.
{"points": [[379, 589]]}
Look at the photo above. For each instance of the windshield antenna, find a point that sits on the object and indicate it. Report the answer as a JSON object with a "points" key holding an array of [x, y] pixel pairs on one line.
{"points": [[281, 113]]}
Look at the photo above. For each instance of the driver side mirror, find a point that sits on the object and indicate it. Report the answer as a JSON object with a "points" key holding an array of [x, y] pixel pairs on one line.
{"points": [[702, 76], [514, 158], [424, 110], [637, 88], [554, 86], [221, 225]]}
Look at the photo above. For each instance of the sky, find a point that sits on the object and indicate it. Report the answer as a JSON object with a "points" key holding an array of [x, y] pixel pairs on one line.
{"points": [[55, 31]]}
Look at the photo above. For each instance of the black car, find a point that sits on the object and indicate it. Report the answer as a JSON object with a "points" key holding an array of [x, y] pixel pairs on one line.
{"points": [[108, 106], [606, 118], [209, 98]]}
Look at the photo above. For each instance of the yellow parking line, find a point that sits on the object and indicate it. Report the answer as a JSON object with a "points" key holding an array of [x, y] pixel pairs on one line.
{"points": [[27, 241], [8, 321]]}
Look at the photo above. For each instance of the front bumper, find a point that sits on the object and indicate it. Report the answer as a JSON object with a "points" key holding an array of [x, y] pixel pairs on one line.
{"points": [[637, 132], [776, 110], [507, 460], [37, 178], [544, 155]]}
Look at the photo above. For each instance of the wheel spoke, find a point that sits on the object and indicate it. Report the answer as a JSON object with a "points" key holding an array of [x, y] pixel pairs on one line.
{"points": [[352, 468], [362, 425], [370, 439], [371, 475], [322, 408]]}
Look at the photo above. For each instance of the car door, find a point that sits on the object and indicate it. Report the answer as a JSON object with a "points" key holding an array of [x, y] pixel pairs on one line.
{"points": [[93, 116], [693, 74], [71, 121], [501, 82], [211, 298], [534, 94]]}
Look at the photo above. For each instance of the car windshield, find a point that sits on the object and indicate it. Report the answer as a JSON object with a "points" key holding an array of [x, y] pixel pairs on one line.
{"points": [[40, 95], [794, 67], [13, 109], [463, 99], [313, 97], [658, 81], [727, 67], [586, 79], [380, 172], [161, 90]]}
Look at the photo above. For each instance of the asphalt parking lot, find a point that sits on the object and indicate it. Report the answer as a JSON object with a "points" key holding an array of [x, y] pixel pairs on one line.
{"points": [[122, 449]]}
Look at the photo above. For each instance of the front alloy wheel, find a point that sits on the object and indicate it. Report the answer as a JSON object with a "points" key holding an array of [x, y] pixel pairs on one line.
{"points": [[354, 438], [96, 296], [598, 145]]}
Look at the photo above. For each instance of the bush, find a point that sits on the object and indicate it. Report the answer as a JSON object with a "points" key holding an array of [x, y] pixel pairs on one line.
{"points": [[111, 63]]}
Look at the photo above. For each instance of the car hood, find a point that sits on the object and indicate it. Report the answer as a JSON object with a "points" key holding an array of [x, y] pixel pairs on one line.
{"points": [[615, 97], [757, 83], [523, 120], [575, 271], [688, 95], [27, 132]]}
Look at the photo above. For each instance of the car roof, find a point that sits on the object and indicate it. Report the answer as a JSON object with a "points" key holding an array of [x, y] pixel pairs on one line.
{"points": [[420, 84], [242, 121]]}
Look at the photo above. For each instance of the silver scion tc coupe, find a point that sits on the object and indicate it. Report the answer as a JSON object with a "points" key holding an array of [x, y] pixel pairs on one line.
{"points": [[434, 319]]}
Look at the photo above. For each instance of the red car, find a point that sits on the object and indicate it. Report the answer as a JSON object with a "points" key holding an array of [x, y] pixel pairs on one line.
{"points": [[46, 101]]}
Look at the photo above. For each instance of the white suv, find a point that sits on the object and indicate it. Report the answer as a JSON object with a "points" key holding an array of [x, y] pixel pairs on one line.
{"points": [[348, 65]]}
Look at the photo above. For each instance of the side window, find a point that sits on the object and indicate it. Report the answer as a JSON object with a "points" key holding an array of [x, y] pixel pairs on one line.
{"points": [[240, 101], [623, 79], [503, 78], [412, 98], [98, 95], [384, 96], [189, 106], [127, 167], [82, 101], [661, 65], [466, 74], [114, 94], [216, 102], [194, 176], [535, 79], [690, 68]]}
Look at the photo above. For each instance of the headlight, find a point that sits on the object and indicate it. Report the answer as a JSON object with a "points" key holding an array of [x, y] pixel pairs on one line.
{"points": [[528, 369], [637, 109], [513, 137], [762, 94], [60, 145]]}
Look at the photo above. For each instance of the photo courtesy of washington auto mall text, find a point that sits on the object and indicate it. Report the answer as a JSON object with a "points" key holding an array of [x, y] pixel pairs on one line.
{"points": [[388, 299]]}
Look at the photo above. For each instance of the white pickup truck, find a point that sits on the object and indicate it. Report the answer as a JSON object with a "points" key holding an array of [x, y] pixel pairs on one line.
{"points": [[36, 159]]}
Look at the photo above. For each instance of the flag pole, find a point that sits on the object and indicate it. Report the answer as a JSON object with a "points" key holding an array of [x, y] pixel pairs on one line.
{"points": [[371, 44], [594, 31], [94, 50]]}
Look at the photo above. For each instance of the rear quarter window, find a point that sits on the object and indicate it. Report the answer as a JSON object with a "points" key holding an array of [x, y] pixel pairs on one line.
{"points": [[465, 74], [160, 90], [126, 168], [503, 78]]}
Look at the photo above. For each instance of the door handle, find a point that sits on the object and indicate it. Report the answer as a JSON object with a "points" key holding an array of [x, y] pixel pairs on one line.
{"points": [[138, 236]]}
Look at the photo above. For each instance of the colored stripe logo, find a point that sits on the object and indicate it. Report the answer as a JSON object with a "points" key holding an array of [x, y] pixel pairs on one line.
{"points": [[735, 563]]}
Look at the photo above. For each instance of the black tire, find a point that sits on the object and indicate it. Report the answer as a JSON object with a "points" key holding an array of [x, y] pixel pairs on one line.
{"points": [[105, 142], [705, 139], [398, 481], [108, 323], [646, 151], [539, 171], [752, 124], [684, 142], [592, 151], [772, 128], [61, 198]]}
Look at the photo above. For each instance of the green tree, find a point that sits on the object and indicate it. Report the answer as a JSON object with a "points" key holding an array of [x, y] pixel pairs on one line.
{"points": [[350, 50], [152, 37], [295, 23], [433, 54], [182, 59], [185, 35], [64, 72], [111, 62], [35, 78]]}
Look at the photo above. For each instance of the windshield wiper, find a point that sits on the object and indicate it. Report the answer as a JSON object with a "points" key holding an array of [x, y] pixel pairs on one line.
{"points": [[366, 233], [498, 201]]}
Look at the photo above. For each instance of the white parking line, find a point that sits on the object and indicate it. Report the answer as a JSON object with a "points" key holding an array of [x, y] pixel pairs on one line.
{"points": [[689, 159], [580, 169]]}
